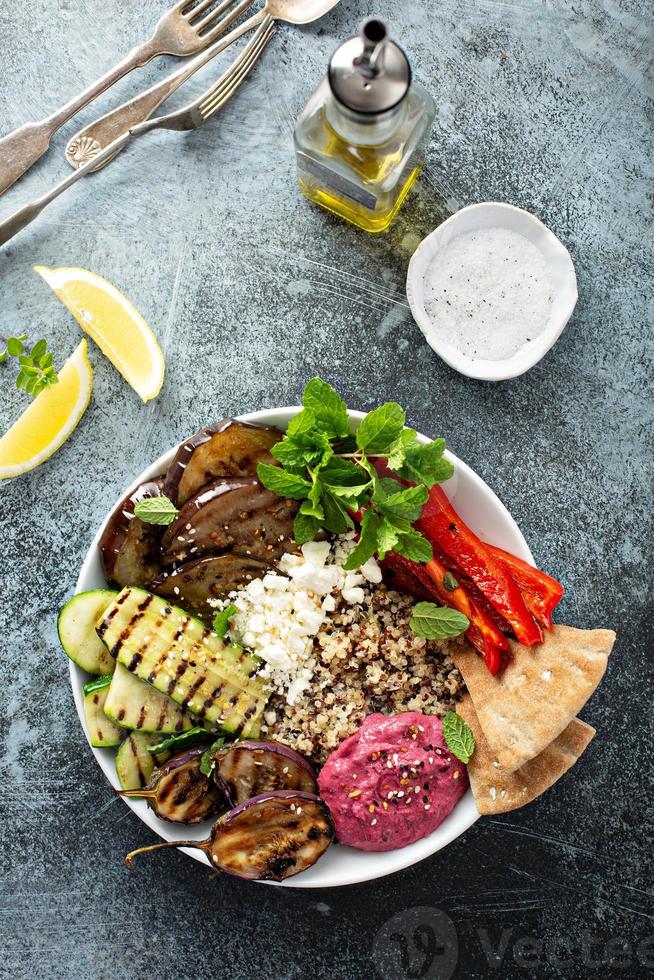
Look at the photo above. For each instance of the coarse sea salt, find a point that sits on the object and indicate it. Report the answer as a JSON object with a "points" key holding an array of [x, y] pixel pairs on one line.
{"points": [[488, 293]]}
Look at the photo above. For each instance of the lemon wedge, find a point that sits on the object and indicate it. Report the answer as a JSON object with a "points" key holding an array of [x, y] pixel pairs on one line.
{"points": [[49, 420], [113, 323]]}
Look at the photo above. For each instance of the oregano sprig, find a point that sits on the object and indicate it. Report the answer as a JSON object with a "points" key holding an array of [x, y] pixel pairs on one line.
{"points": [[333, 475], [36, 370]]}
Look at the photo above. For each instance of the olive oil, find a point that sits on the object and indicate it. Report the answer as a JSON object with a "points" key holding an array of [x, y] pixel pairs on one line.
{"points": [[360, 141]]}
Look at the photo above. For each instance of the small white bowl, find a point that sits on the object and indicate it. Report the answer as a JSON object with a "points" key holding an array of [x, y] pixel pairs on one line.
{"points": [[559, 265]]}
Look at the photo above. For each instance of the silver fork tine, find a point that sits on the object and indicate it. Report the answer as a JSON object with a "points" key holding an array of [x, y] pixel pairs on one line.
{"points": [[222, 24], [197, 9], [216, 97]]}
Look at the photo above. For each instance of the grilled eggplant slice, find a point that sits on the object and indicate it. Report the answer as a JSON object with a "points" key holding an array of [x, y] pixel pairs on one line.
{"points": [[130, 548], [228, 448], [195, 584], [179, 792], [249, 768], [268, 838], [235, 514], [173, 652]]}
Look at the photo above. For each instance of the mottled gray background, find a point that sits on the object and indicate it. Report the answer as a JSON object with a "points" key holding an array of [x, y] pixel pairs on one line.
{"points": [[251, 291]]}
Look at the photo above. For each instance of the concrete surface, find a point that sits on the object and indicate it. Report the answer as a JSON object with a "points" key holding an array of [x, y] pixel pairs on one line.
{"points": [[251, 291]]}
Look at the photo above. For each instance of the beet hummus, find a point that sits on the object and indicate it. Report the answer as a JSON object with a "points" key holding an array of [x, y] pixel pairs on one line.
{"points": [[392, 782]]}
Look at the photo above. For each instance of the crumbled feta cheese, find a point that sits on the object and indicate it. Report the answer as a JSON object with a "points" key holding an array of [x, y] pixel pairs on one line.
{"points": [[278, 616]]}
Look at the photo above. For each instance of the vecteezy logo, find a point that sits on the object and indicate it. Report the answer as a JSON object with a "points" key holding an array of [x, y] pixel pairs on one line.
{"points": [[416, 944]]}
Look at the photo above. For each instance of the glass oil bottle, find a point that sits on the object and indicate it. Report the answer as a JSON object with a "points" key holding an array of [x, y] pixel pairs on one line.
{"points": [[360, 141]]}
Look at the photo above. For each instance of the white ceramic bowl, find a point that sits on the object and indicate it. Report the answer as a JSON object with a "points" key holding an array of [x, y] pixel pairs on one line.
{"points": [[559, 265], [481, 509]]}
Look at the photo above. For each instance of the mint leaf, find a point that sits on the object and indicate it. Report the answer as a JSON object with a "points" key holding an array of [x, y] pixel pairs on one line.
{"points": [[397, 451], [301, 424], [282, 482], [450, 584], [387, 538], [413, 545], [367, 543], [156, 510], [336, 519], [426, 464], [305, 528], [344, 478], [206, 762], [380, 428], [405, 504], [221, 620], [311, 507], [327, 407], [437, 622], [458, 737]]}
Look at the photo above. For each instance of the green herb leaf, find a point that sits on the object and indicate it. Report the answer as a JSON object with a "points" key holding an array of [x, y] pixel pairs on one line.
{"points": [[397, 451], [367, 543], [437, 622], [327, 407], [458, 737], [387, 538], [412, 544], [15, 347], [175, 743], [336, 519], [156, 510], [405, 504], [426, 464], [305, 528], [38, 350], [221, 620], [450, 584], [380, 428], [206, 762], [344, 478], [282, 482]]}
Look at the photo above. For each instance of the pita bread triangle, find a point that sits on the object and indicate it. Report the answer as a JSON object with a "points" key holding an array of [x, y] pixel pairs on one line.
{"points": [[539, 691], [496, 791]]}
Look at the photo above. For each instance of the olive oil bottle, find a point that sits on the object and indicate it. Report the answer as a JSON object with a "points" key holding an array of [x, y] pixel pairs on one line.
{"points": [[360, 141]]}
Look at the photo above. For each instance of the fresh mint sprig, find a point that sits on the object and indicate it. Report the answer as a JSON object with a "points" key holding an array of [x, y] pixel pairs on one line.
{"points": [[36, 370], [332, 474]]}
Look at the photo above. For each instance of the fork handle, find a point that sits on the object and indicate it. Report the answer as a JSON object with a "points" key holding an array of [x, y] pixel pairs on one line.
{"points": [[24, 216], [86, 144], [22, 148]]}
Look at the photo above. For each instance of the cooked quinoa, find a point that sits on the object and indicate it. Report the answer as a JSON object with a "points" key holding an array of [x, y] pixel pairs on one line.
{"points": [[367, 659]]}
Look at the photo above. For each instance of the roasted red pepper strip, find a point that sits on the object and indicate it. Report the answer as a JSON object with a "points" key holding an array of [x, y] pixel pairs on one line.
{"points": [[482, 633], [541, 592], [441, 524]]}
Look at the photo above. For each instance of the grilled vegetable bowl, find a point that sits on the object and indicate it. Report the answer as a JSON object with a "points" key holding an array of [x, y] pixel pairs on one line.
{"points": [[177, 757]]}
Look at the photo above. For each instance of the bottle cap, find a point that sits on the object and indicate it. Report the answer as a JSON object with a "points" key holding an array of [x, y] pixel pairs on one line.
{"points": [[369, 73]]}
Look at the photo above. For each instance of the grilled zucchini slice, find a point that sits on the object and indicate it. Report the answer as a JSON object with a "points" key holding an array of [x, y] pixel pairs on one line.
{"points": [[76, 628], [177, 655], [134, 763], [133, 704], [103, 732]]}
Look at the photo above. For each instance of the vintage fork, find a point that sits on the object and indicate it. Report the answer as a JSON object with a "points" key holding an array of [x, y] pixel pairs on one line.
{"points": [[181, 31], [192, 116]]}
